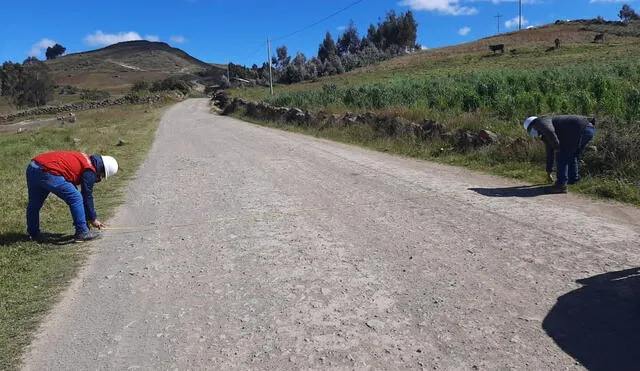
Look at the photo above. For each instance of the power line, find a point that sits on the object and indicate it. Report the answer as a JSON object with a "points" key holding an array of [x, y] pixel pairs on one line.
{"points": [[257, 49], [320, 21]]}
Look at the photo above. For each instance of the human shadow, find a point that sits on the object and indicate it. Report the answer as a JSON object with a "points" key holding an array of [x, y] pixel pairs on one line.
{"points": [[517, 191], [599, 324], [12, 238]]}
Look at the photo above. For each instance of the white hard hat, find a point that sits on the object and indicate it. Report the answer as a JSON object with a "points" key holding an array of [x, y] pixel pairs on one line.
{"points": [[528, 122], [110, 166]]}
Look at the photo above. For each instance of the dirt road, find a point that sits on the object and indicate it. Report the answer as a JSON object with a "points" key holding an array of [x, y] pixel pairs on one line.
{"points": [[245, 247]]}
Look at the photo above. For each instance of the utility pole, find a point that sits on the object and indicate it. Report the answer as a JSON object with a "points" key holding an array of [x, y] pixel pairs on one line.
{"points": [[520, 16], [269, 59], [498, 16]]}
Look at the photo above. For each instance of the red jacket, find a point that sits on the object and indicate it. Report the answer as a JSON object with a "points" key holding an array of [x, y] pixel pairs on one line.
{"points": [[67, 164]]}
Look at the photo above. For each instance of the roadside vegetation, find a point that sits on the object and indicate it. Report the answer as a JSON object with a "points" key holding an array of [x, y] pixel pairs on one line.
{"points": [[468, 87], [28, 84], [32, 275]]}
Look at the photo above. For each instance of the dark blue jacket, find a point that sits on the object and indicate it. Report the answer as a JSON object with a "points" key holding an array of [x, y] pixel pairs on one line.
{"points": [[89, 178], [560, 133]]}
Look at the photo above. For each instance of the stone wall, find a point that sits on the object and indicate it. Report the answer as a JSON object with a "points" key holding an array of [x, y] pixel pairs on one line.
{"points": [[81, 106], [385, 125]]}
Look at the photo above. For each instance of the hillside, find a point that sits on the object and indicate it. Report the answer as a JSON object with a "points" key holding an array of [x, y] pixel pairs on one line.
{"points": [[116, 66], [464, 94], [530, 49]]}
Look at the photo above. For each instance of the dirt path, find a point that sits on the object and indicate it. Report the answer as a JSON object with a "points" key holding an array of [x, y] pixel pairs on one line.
{"points": [[30, 124], [246, 247], [125, 65]]}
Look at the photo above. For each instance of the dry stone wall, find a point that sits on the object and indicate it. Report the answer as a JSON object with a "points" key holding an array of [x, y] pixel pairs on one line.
{"points": [[81, 106], [385, 125]]}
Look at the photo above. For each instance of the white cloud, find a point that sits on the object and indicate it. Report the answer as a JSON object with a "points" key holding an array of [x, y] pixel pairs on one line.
{"points": [[178, 39], [464, 31], [100, 38], [514, 22], [36, 49], [448, 7], [422, 47]]}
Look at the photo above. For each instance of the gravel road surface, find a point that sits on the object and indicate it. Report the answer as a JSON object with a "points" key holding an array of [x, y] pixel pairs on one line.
{"points": [[244, 247]]}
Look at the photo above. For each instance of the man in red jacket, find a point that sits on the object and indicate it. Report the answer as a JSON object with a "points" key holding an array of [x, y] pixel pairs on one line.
{"points": [[60, 173]]}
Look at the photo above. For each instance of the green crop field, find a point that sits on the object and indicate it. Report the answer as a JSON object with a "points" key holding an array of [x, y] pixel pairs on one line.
{"points": [[469, 87]]}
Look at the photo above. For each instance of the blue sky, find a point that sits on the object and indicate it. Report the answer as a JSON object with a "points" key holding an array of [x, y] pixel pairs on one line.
{"points": [[220, 31]]}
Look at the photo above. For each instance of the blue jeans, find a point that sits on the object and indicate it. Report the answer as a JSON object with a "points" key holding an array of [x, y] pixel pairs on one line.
{"points": [[39, 185], [567, 159]]}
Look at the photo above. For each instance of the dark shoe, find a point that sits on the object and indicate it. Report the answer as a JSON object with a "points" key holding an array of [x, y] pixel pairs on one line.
{"points": [[557, 189], [87, 236]]}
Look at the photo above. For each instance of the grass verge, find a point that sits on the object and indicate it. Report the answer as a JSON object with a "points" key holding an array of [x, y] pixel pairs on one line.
{"points": [[32, 275]]}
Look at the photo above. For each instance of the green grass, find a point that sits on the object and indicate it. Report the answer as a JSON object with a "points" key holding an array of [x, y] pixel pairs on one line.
{"points": [[510, 94], [463, 59], [32, 275], [465, 86]]}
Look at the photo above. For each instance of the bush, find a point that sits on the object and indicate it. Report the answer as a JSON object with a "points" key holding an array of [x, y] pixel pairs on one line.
{"points": [[29, 84], [68, 90], [292, 74], [140, 85], [470, 101], [224, 82], [617, 153], [633, 105], [94, 94], [211, 89], [172, 83]]}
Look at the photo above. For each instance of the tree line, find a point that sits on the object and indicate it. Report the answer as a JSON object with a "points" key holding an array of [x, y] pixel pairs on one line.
{"points": [[628, 14], [27, 84], [394, 36]]}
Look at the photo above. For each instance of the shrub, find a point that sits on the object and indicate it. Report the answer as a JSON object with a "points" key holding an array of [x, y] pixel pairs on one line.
{"points": [[617, 153], [94, 94], [140, 85], [633, 105], [210, 89], [68, 90], [171, 83], [470, 101]]}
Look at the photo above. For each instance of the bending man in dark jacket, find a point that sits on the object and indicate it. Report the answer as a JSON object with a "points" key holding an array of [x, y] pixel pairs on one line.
{"points": [[565, 137]]}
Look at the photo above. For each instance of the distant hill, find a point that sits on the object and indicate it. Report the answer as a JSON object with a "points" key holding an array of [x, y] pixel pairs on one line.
{"points": [[115, 67]]}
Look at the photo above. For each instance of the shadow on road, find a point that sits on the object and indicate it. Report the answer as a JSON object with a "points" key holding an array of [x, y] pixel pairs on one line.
{"points": [[9, 239], [518, 191], [599, 324]]}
